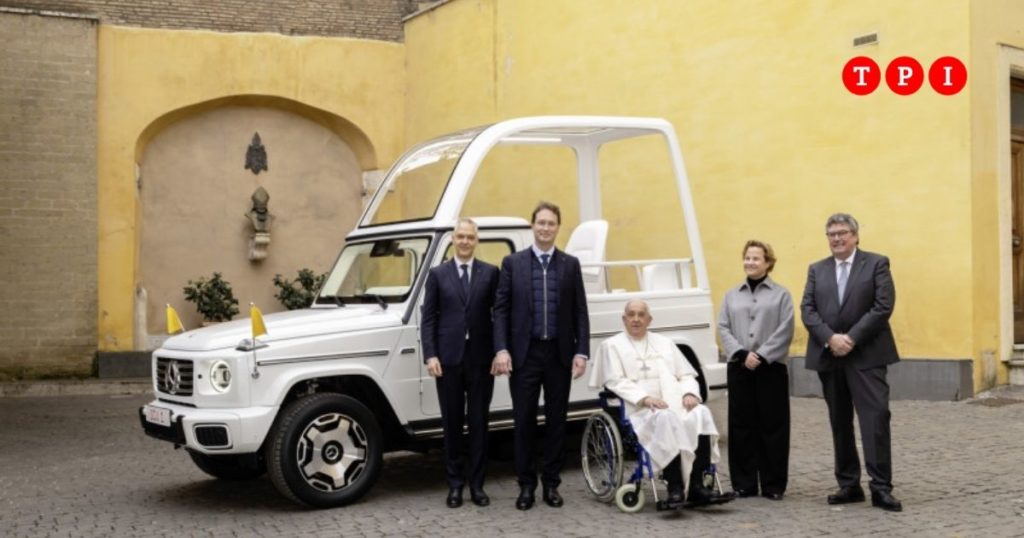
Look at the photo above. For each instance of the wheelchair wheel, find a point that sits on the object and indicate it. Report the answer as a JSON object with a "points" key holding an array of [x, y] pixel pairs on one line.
{"points": [[629, 498], [601, 455]]}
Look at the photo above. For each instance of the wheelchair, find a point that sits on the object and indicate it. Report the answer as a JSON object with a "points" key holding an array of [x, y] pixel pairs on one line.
{"points": [[602, 455]]}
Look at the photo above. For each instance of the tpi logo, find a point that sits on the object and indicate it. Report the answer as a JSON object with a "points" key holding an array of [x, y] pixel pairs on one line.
{"points": [[904, 75]]}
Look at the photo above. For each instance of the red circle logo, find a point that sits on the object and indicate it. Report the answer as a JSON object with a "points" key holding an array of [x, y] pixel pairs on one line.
{"points": [[861, 75], [947, 75], [904, 75]]}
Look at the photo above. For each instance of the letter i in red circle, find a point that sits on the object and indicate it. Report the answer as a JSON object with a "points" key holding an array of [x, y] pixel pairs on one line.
{"points": [[861, 75], [947, 75]]}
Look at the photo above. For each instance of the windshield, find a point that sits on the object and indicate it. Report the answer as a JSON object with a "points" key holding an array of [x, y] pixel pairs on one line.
{"points": [[381, 271], [413, 189]]}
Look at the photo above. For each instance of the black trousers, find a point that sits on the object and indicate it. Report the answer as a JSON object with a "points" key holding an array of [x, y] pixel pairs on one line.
{"points": [[541, 369], [867, 391], [464, 392], [759, 427], [673, 472]]}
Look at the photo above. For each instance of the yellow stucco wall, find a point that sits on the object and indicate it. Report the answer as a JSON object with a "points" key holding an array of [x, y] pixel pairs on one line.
{"points": [[145, 75], [773, 141]]}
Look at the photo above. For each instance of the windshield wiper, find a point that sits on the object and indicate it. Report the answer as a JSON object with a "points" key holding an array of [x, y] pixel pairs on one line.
{"points": [[336, 299]]}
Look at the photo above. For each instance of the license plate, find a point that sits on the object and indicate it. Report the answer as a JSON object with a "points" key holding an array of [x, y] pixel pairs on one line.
{"points": [[158, 415]]}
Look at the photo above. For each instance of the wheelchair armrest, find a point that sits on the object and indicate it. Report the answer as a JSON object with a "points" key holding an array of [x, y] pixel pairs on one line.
{"points": [[609, 399]]}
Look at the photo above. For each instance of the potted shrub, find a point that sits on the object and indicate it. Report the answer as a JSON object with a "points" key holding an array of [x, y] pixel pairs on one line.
{"points": [[300, 292], [213, 298]]}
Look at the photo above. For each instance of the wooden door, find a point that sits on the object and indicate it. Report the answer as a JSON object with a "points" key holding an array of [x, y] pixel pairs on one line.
{"points": [[1017, 237]]}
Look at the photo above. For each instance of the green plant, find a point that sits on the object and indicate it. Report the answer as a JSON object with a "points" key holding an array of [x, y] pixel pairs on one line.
{"points": [[213, 298], [300, 292]]}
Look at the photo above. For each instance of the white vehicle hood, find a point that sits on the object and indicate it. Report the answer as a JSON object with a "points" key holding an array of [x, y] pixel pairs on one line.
{"points": [[286, 325]]}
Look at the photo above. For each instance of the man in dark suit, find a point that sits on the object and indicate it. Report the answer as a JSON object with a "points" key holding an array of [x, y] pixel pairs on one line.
{"points": [[846, 306], [458, 342], [542, 332]]}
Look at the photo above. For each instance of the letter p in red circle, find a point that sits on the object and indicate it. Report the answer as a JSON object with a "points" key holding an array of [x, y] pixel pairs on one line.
{"points": [[947, 75], [861, 75], [904, 75]]}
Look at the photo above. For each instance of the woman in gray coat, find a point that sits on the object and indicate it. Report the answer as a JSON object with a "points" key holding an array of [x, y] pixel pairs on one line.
{"points": [[756, 326]]}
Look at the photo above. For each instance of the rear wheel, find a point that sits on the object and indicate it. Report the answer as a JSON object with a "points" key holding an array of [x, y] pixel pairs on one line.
{"points": [[601, 456], [230, 466], [325, 450]]}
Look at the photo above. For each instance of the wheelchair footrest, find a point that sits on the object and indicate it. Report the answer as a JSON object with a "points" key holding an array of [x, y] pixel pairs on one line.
{"points": [[717, 498], [663, 505]]}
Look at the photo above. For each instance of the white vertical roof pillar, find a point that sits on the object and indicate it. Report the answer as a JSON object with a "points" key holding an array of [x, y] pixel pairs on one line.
{"points": [[589, 180]]}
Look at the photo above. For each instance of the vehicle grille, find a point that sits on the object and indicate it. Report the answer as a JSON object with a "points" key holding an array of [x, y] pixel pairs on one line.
{"points": [[174, 376]]}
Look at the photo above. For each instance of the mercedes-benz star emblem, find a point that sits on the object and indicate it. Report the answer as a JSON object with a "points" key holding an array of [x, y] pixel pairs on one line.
{"points": [[172, 377]]}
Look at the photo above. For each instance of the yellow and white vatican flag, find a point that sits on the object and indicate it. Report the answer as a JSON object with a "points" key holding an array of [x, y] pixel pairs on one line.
{"points": [[174, 325], [258, 327]]}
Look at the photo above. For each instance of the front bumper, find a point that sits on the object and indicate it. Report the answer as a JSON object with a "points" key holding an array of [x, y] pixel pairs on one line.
{"points": [[212, 431]]}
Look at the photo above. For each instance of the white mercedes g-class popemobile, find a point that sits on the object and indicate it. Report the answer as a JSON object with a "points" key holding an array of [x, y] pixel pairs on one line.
{"points": [[329, 389]]}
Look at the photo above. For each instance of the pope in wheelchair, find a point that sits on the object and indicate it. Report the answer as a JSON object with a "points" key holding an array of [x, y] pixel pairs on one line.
{"points": [[661, 410]]}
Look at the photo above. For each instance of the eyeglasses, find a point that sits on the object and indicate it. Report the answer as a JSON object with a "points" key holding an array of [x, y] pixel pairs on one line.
{"points": [[838, 234]]}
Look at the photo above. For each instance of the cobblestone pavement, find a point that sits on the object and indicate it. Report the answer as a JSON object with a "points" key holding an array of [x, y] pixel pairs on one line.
{"points": [[80, 466]]}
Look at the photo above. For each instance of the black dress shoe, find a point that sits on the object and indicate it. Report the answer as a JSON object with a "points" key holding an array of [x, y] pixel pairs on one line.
{"points": [[552, 498], [454, 498], [479, 497], [847, 494], [745, 492], [525, 499], [885, 501], [676, 498], [773, 496]]}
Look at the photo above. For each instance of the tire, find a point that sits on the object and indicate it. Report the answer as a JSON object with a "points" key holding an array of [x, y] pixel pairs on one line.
{"points": [[601, 456], [230, 466], [325, 450], [630, 498]]}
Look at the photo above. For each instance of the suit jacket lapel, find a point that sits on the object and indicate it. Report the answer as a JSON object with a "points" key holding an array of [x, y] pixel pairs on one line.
{"points": [[524, 272], [456, 281], [830, 284], [561, 267], [474, 281]]}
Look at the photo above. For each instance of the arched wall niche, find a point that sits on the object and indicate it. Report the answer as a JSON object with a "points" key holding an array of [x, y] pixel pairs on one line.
{"points": [[194, 193], [351, 134]]}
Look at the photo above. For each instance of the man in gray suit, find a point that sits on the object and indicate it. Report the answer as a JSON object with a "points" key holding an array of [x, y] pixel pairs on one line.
{"points": [[846, 306]]}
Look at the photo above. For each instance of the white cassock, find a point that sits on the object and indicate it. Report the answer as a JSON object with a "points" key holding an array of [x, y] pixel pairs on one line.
{"points": [[654, 366]]}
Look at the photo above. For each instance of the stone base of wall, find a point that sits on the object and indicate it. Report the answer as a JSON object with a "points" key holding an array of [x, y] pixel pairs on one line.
{"points": [[914, 379], [123, 364], [29, 367]]}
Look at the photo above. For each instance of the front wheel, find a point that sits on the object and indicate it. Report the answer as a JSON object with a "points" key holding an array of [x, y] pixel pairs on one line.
{"points": [[325, 450], [630, 498]]}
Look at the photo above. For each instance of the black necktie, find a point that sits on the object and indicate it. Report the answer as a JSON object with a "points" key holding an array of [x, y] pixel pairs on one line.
{"points": [[544, 260], [465, 278]]}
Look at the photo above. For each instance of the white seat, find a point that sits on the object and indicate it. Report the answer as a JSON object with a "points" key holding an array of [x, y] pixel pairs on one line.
{"points": [[659, 277], [587, 243]]}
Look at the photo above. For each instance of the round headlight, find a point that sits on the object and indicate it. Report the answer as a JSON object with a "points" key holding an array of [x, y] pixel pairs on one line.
{"points": [[220, 376]]}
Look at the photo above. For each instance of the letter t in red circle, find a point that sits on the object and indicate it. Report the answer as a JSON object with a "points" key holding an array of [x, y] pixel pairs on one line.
{"points": [[861, 75]]}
